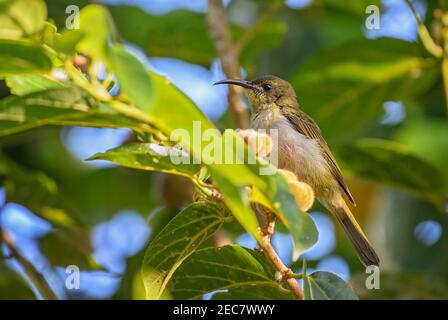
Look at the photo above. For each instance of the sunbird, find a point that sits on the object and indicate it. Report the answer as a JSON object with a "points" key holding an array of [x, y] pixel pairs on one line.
{"points": [[302, 150]]}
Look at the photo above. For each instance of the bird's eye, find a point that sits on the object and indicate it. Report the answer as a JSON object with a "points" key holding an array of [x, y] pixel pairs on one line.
{"points": [[267, 87]]}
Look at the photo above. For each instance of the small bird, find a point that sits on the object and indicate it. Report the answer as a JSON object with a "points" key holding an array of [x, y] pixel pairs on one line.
{"points": [[302, 150]]}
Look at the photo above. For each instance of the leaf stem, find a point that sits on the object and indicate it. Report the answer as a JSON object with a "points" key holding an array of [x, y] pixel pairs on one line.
{"points": [[295, 275], [428, 42]]}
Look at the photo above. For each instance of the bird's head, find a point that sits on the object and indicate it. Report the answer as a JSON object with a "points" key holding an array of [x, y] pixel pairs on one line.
{"points": [[265, 91]]}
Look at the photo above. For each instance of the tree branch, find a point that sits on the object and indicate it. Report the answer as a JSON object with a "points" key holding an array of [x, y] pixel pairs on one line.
{"points": [[267, 231], [35, 276], [229, 56]]}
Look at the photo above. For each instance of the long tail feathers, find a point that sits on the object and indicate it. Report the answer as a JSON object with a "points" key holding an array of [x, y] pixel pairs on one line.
{"points": [[364, 249]]}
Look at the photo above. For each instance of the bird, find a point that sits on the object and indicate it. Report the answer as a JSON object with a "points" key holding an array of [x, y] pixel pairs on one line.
{"points": [[303, 150]]}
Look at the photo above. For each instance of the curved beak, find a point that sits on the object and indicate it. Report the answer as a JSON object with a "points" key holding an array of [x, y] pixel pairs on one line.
{"points": [[237, 82]]}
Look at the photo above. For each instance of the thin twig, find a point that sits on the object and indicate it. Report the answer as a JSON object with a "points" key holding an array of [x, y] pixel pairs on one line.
{"points": [[38, 280], [220, 33], [428, 42], [267, 232]]}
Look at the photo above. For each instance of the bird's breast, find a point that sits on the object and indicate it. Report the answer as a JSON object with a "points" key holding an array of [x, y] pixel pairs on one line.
{"points": [[295, 151]]}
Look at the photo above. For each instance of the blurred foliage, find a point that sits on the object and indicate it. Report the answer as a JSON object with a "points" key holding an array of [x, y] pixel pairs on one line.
{"points": [[52, 76]]}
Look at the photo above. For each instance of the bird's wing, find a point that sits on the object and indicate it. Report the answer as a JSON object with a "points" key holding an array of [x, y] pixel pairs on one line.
{"points": [[306, 126]]}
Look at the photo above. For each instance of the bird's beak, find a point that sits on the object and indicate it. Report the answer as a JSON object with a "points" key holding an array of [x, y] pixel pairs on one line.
{"points": [[237, 82]]}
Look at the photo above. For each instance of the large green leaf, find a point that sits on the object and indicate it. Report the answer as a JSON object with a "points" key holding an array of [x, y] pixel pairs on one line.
{"points": [[19, 56], [20, 18], [182, 236], [96, 30], [392, 164], [302, 228], [243, 273], [353, 80], [300, 225], [322, 285], [132, 76], [29, 83], [35, 109], [57, 106], [150, 156]]}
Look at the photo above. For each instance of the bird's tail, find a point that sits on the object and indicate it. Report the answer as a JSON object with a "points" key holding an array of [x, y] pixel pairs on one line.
{"points": [[364, 249]]}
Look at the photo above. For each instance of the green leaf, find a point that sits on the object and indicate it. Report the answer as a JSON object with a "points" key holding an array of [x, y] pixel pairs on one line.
{"points": [[353, 80], [243, 272], [322, 285], [18, 56], [95, 26], [58, 106], [19, 18], [182, 236], [237, 200], [67, 41], [28, 83], [391, 163], [150, 156], [302, 228], [300, 225], [132, 76]]}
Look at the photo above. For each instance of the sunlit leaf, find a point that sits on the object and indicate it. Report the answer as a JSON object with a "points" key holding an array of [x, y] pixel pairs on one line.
{"points": [[302, 228], [152, 157], [57, 106], [67, 41], [18, 56], [95, 27], [133, 77], [240, 272], [35, 109], [182, 236], [322, 285], [19, 18], [29, 83]]}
